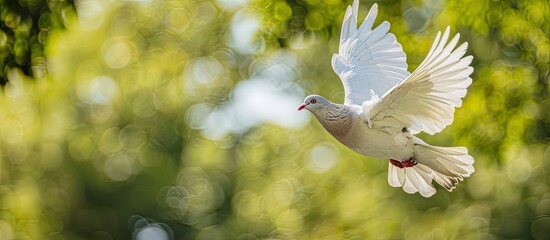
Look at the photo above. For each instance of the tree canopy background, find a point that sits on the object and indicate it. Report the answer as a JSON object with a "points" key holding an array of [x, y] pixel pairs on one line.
{"points": [[177, 120]]}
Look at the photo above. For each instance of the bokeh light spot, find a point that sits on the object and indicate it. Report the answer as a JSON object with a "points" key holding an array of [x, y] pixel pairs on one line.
{"points": [[322, 157], [109, 141], [177, 198], [178, 20], [119, 167], [81, 147], [203, 70], [100, 90], [315, 21], [91, 13], [132, 137], [244, 28], [116, 53], [519, 170], [196, 114], [145, 229], [150, 233]]}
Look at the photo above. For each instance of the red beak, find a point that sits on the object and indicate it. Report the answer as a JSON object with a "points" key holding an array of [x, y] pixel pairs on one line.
{"points": [[302, 106]]}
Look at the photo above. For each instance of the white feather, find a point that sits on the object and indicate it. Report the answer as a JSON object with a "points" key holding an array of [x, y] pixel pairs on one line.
{"points": [[426, 100], [420, 177], [368, 59], [393, 175]]}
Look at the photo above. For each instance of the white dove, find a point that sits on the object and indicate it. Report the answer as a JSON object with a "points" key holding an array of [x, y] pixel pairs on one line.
{"points": [[385, 105]]}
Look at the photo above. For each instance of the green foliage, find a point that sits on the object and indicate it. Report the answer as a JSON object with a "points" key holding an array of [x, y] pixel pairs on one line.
{"points": [[24, 29], [139, 125]]}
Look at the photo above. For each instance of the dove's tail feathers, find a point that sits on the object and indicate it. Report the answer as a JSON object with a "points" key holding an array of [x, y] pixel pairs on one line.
{"points": [[446, 165], [413, 179]]}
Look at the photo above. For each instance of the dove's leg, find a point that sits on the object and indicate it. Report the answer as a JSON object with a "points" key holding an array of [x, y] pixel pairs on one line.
{"points": [[396, 163], [404, 164]]}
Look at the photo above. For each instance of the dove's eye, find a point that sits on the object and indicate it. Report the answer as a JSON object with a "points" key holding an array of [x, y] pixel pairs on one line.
{"points": [[313, 101]]}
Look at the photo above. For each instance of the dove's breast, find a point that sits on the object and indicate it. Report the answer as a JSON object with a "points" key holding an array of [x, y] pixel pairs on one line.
{"points": [[337, 120], [338, 126]]}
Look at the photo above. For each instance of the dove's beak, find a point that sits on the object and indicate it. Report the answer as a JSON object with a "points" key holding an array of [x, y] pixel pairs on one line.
{"points": [[302, 106]]}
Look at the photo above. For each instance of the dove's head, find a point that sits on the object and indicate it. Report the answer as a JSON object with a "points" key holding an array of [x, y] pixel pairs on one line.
{"points": [[314, 102]]}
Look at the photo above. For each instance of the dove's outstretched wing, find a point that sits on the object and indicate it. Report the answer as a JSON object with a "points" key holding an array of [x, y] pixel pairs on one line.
{"points": [[426, 100], [369, 61]]}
